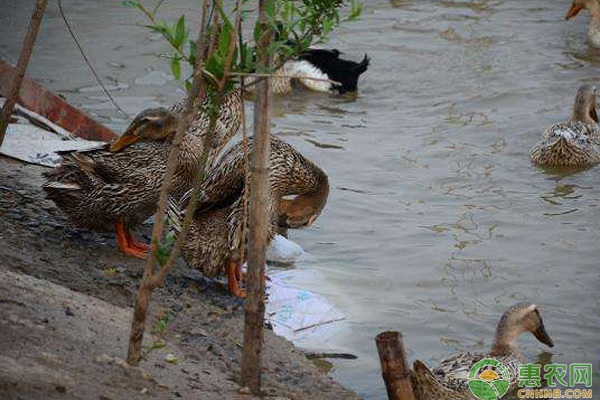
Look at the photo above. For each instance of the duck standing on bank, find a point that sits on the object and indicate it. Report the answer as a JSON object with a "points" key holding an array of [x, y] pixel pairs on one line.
{"points": [[449, 380], [117, 185], [575, 143], [593, 31], [217, 237]]}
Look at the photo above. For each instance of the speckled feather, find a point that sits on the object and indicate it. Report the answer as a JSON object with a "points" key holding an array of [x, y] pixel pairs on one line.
{"points": [[449, 380], [97, 188], [570, 145], [227, 124], [575, 143], [216, 234]]}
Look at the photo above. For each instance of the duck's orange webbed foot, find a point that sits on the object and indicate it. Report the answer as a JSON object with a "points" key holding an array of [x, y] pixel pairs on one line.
{"points": [[240, 275], [234, 279], [143, 247], [127, 244]]}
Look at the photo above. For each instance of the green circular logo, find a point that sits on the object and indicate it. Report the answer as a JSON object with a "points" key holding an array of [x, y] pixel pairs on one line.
{"points": [[489, 383]]}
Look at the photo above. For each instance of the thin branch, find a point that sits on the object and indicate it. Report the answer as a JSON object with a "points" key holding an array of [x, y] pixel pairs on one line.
{"points": [[26, 50], [175, 251], [148, 283], [151, 15]]}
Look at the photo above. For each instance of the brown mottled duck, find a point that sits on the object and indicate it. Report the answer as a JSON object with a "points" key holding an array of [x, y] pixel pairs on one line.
{"points": [[449, 380], [575, 143], [117, 185], [227, 123], [216, 239]]}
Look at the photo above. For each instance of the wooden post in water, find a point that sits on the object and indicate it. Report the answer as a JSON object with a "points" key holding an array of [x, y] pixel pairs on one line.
{"points": [[258, 217], [394, 367], [26, 50]]}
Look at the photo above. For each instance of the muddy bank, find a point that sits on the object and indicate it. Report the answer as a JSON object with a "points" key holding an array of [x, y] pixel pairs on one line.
{"points": [[64, 316]]}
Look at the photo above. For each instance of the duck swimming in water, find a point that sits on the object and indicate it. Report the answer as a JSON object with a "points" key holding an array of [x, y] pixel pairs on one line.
{"points": [[593, 32], [117, 185], [575, 143], [216, 240], [449, 380], [318, 64]]}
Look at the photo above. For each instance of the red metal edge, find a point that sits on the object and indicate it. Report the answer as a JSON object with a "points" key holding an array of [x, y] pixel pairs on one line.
{"points": [[42, 101]]}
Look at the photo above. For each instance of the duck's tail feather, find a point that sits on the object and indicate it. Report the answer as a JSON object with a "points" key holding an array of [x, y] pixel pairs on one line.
{"points": [[175, 215], [422, 378], [363, 65], [62, 186], [422, 375]]}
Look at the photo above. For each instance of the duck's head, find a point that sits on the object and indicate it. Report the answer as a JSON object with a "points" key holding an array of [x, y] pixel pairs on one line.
{"points": [[584, 109], [579, 5], [154, 124], [299, 212], [520, 318], [296, 213], [303, 210]]}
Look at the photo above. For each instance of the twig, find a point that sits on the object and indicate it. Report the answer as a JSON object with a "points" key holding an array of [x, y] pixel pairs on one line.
{"points": [[283, 76], [175, 251], [151, 17], [148, 283], [26, 50]]}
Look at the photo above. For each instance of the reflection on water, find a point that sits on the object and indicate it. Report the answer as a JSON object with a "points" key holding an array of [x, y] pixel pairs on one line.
{"points": [[436, 222]]}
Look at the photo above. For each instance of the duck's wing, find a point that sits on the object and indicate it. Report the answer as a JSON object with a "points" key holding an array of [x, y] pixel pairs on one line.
{"points": [[224, 182], [457, 366], [82, 169], [91, 149]]}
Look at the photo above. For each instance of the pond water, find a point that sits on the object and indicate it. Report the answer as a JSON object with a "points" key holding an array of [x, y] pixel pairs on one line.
{"points": [[437, 222]]}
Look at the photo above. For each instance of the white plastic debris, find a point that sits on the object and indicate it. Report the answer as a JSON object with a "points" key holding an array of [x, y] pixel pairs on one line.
{"points": [[284, 251], [30, 143], [300, 315]]}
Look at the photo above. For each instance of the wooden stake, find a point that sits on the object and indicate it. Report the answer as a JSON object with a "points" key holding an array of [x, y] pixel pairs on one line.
{"points": [[26, 50], [258, 219], [394, 367]]}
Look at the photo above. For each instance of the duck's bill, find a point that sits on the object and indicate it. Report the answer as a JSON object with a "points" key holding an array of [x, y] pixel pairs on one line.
{"points": [[573, 11], [541, 335], [123, 141]]}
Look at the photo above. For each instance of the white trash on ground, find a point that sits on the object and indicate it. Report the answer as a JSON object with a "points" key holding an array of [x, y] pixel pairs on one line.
{"points": [[38, 143], [282, 250], [299, 315]]}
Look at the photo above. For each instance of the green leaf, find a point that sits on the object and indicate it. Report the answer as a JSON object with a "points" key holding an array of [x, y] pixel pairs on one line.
{"points": [[176, 67], [130, 3], [224, 40], [180, 33]]}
